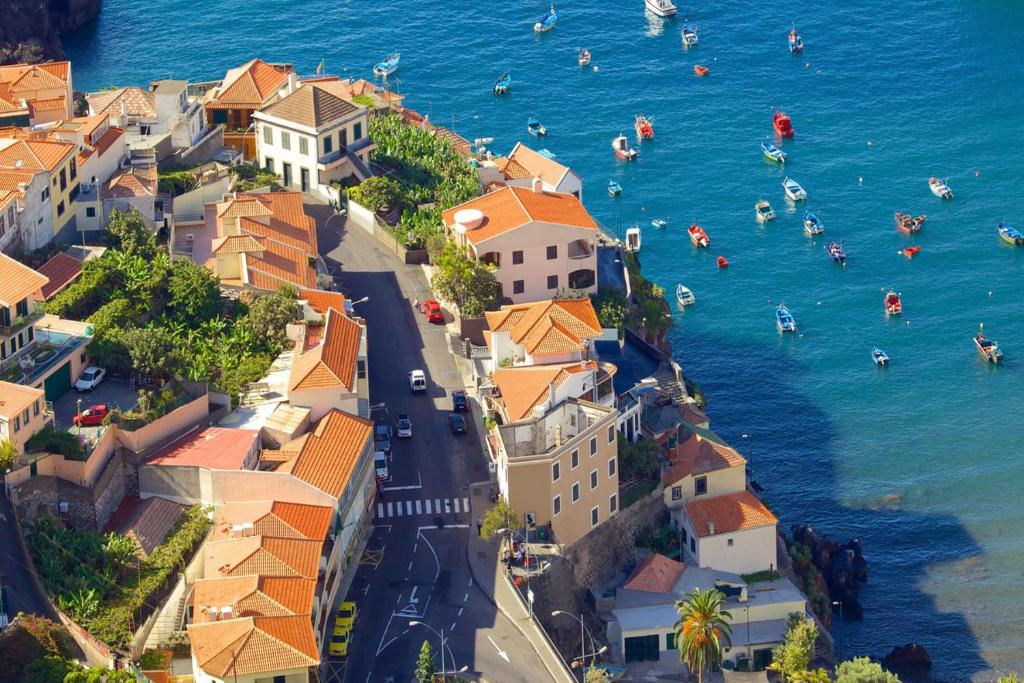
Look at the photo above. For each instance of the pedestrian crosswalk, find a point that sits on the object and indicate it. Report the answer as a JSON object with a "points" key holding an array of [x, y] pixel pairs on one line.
{"points": [[422, 506]]}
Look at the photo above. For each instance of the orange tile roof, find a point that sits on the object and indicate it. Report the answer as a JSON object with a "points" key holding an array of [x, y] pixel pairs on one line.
{"points": [[321, 300], [235, 244], [513, 207], [728, 513], [656, 574], [52, 104], [279, 264], [15, 398], [18, 281], [10, 180], [252, 596], [137, 102], [551, 326], [537, 165], [332, 363], [525, 387], [253, 645], [212, 447], [108, 138], [35, 76], [311, 106], [89, 124], [265, 555], [134, 181], [252, 83], [697, 455], [512, 170], [330, 453], [275, 518], [35, 155], [249, 205]]}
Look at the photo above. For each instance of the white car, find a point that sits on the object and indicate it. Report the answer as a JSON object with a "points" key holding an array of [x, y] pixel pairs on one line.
{"points": [[417, 381], [380, 465], [90, 378], [404, 426]]}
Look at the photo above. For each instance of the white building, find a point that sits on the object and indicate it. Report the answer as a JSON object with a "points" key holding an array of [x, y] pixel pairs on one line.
{"points": [[542, 332], [178, 114], [312, 137], [33, 217], [523, 164], [332, 373], [734, 533]]}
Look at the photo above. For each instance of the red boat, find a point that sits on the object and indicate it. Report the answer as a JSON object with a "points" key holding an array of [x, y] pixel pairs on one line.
{"points": [[783, 126], [644, 129], [911, 252], [700, 70], [723, 262], [893, 303], [698, 236], [907, 223]]}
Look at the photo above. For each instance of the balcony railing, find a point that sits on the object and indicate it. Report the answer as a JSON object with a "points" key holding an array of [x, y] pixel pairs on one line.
{"points": [[21, 322]]}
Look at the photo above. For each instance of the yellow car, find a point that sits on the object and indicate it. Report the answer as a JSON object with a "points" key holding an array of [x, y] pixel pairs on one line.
{"points": [[339, 643], [346, 614]]}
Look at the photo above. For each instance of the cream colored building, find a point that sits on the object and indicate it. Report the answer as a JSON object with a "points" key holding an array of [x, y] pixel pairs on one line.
{"points": [[539, 242], [523, 164], [331, 373], [701, 466], [543, 332], [58, 161], [23, 413], [33, 94]]}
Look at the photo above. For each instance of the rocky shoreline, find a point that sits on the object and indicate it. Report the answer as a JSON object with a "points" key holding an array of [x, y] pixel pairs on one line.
{"points": [[30, 31]]}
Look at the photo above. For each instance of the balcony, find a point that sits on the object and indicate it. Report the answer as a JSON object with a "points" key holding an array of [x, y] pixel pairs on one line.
{"points": [[21, 322], [48, 350], [580, 249]]}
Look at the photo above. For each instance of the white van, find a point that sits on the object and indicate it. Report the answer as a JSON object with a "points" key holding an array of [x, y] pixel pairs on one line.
{"points": [[417, 381]]}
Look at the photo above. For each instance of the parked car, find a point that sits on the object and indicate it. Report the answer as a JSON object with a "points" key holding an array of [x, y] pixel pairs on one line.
{"points": [[432, 310], [417, 381], [460, 404], [457, 423], [380, 465], [91, 416], [90, 378], [404, 426], [339, 641], [346, 614], [382, 437]]}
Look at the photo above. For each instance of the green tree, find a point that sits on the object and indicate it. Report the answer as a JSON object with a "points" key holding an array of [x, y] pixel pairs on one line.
{"points": [[8, 455], [638, 460], [611, 308], [268, 316], [500, 516], [152, 351], [194, 293], [1010, 677], [819, 675], [702, 629], [425, 663], [468, 284], [113, 315], [595, 675], [50, 669], [378, 192], [128, 232], [863, 670], [792, 656]]}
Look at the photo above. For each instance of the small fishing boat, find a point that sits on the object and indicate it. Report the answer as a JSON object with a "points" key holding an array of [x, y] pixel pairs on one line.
{"points": [[700, 70], [796, 43], [584, 58], [880, 357], [689, 36], [1010, 234], [911, 252], [893, 303], [614, 189], [622, 148], [812, 225], [763, 211], [722, 262], [659, 222], [644, 129], [773, 153], [534, 128], [684, 296], [698, 236], [633, 239], [503, 84], [661, 8], [988, 348], [835, 252], [940, 189], [782, 124], [547, 22], [784, 320], [793, 190], [387, 66], [908, 224]]}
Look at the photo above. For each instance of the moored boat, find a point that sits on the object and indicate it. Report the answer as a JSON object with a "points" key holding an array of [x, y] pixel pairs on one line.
{"points": [[644, 129], [782, 124], [547, 22], [911, 252], [773, 153], [684, 295], [908, 224], [784, 320], [700, 70], [722, 262], [763, 211], [988, 348], [893, 303], [503, 84], [534, 127], [835, 252], [796, 43], [622, 148], [793, 190], [689, 36], [812, 225], [662, 8], [388, 65], [1010, 234], [880, 357], [614, 189], [659, 222], [584, 58], [698, 236], [633, 239], [940, 189]]}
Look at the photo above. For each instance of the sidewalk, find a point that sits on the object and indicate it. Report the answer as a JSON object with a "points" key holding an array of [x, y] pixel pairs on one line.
{"points": [[488, 573]]}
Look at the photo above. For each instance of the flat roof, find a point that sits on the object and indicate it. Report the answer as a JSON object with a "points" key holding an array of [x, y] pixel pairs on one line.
{"points": [[213, 447]]}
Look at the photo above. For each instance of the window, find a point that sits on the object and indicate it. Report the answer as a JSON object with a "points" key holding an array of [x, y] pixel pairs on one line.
{"points": [[728, 542], [575, 492], [700, 486], [35, 408], [268, 135], [593, 479], [612, 467], [286, 140], [357, 131], [613, 503], [342, 139], [280, 679], [286, 170], [31, 333], [304, 179], [60, 209], [63, 180], [3, 349], [693, 546], [593, 446], [556, 505], [552, 252], [90, 211], [556, 471], [552, 282], [677, 493], [576, 458], [45, 195], [303, 146], [24, 416], [361, 369], [518, 287], [74, 169], [611, 434], [517, 257], [328, 144], [670, 641], [269, 164], [17, 423], [594, 517]]}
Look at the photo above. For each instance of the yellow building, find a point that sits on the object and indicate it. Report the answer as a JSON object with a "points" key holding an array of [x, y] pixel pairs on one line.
{"points": [[23, 413], [59, 160]]}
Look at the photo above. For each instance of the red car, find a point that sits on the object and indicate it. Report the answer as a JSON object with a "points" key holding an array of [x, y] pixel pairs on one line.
{"points": [[90, 417], [432, 310]]}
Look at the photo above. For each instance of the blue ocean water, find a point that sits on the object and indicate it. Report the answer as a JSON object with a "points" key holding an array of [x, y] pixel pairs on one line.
{"points": [[920, 461]]}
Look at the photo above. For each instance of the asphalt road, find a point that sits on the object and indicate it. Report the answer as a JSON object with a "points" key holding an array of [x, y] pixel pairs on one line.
{"points": [[415, 567], [19, 591]]}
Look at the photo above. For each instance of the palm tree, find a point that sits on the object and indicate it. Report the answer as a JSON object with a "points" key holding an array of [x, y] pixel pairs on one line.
{"points": [[702, 629]]}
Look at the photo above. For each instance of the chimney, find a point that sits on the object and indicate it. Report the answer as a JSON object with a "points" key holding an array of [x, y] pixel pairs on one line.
{"points": [[551, 394], [537, 185]]}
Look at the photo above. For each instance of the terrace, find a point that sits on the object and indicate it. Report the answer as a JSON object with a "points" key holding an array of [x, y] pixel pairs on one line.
{"points": [[50, 347]]}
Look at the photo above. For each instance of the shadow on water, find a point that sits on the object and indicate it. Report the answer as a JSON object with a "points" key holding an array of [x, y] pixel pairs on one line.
{"points": [[756, 403]]}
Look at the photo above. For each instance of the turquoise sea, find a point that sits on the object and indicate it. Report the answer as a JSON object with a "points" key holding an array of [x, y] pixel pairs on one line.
{"points": [[921, 461]]}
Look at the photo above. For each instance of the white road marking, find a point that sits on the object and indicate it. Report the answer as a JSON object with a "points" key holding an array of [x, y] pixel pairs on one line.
{"points": [[366, 589], [419, 510], [389, 508], [437, 505], [452, 627], [501, 653], [437, 562], [465, 597], [460, 610], [413, 487], [456, 506], [465, 504], [410, 567], [426, 504], [380, 509], [408, 507]]}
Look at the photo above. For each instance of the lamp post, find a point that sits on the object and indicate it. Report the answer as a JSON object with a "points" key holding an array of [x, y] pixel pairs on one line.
{"points": [[839, 651], [444, 674], [583, 646], [79, 415]]}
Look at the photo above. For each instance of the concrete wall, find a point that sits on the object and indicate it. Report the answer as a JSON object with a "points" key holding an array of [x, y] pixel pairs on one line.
{"points": [[189, 485], [322, 401], [173, 424], [37, 218], [204, 149], [720, 483], [751, 551]]}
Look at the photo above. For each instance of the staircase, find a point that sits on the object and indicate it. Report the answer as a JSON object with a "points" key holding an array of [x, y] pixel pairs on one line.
{"points": [[362, 170], [172, 617]]}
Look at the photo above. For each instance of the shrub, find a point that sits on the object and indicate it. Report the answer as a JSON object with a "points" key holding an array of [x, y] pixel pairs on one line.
{"points": [[249, 369], [863, 670], [50, 440], [113, 315], [175, 182], [128, 233], [194, 293], [94, 287], [468, 284], [378, 192]]}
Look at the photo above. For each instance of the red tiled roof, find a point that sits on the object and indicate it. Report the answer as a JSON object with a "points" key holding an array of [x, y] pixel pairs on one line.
{"points": [[18, 281], [61, 270], [252, 83], [551, 326], [212, 447], [524, 387], [697, 455], [731, 512], [35, 155], [513, 207], [311, 106], [656, 574], [253, 645], [329, 454], [332, 363], [274, 518], [134, 181], [321, 301], [537, 165], [251, 596], [266, 555]]}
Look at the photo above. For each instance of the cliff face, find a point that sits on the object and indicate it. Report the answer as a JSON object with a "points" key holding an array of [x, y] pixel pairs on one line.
{"points": [[31, 29]]}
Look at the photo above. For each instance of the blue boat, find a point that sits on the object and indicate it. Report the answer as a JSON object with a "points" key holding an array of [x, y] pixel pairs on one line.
{"points": [[773, 153], [784, 319], [796, 43], [1010, 234], [534, 128], [547, 22], [614, 189], [503, 84], [812, 225], [835, 252], [388, 65]]}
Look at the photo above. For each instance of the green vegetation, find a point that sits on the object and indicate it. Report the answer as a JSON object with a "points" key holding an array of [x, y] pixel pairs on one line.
{"points": [[701, 631], [595, 675], [500, 516], [8, 455], [28, 639], [154, 660], [100, 581], [863, 670], [251, 177], [49, 440], [792, 657], [379, 193], [638, 461], [175, 182], [611, 307], [468, 284], [763, 575], [650, 311], [364, 100], [807, 575], [665, 540], [425, 663]]}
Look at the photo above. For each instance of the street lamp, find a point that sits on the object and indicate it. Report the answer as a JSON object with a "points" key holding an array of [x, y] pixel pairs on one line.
{"points": [[839, 604], [361, 301], [443, 646], [79, 403], [583, 644]]}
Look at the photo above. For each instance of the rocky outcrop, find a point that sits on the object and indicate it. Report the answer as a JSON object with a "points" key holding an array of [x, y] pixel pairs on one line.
{"points": [[829, 572], [31, 29], [911, 662]]}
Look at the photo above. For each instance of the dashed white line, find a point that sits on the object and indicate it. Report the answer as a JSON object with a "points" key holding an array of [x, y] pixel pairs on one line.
{"points": [[419, 510], [465, 598], [367, 589], [456, 506], [437, 504], [460, 610], [389, 509], [408, 507], [380, 509], [465, 504], [426, 504], [414, 546], [452, 627], [410, 567]]}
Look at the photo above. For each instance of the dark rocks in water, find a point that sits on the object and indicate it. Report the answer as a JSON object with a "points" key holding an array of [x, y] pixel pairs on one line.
{"points": [[910, 661], [30, 31], [841, 570]]}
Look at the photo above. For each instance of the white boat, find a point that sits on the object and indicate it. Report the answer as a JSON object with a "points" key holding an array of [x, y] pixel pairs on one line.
{"points": [[689, 36], [662, 8], [685, 296], [812, 224], [793, 190], [547, 22], [880, 357], [763, 211], [633, 239], [940, 189], [387, 66], [659, 222], [622, 148]]}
